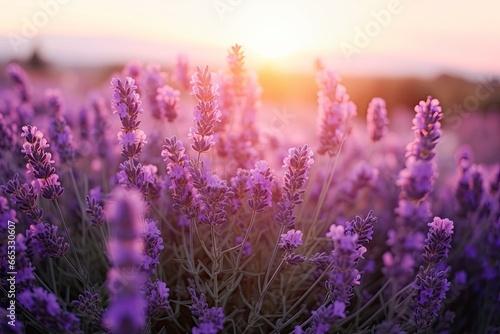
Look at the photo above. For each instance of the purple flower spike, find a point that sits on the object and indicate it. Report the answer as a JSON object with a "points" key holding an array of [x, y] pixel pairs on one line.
{"points": [[211, 319], [183, 192], [157, 296], [298, 164], [90, 304], [127, 308], [168, 102], [363, 228], [438, 242], [206, 112], [153, 244], [291, 240], [46, 309], [236, 62], [43, 238], [376, 119], [431, 291], [20, 79], [60, 133], [260, 183], [336, 111], [40, 163], [426, 126], [127, 105]]}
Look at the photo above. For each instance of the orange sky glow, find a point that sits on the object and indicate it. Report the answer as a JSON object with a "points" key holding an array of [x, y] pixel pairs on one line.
{"points": [[393, 37]]}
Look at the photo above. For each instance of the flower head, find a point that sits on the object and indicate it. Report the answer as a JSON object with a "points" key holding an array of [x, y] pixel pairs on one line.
{"points": [[298, 163], [291, 240], [431, 291], [336, 111], [376, 119], [438, 240], [168, 102], [260, 184], [206, 112]]}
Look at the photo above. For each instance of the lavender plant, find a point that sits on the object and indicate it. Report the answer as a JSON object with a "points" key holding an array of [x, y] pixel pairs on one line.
{"points": [[223, 238]]}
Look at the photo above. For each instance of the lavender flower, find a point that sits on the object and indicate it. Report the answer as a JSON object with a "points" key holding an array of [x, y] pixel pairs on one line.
{"points": [[426, 126], [417, 179], [42, 238], [46, 309], [362, 228], [90, 304], [25, 197], [40, 163], [259, 183], [60, 133], [416, 182], [153, 244], [298, 164], [251, 105], [21, 82], [239, 186], [127, 309], [324, 317], [206, 113], [157, 297], [167, 99], [183, 193], [430, 292], [247, 247], [152, 81], [336, 113], [6, 135], [343, 275], [127, 105], [100, 126], [94, 211], [438, 240], [376, 119], [214, 197], [205, 315], [235, 60], [291, 240], [362, 175], [25, 277]]}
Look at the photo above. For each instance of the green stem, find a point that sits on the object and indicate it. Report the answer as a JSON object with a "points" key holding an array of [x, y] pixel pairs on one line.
{"points": [[273, 255], [255, 312], [72, 245], [252, 220], [214, 265]]}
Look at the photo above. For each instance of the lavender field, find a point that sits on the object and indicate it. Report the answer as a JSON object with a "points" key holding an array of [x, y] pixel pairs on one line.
{"points": [[186, 200]]}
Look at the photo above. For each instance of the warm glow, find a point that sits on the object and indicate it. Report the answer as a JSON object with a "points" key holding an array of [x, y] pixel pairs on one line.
{"points": [[277, 32]]}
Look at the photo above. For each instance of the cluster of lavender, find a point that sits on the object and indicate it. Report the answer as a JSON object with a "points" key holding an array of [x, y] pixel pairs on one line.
{"points": [[222, 239]]}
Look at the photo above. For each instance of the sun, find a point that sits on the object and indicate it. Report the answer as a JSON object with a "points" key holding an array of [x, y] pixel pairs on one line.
{"points": [[275, 32]]}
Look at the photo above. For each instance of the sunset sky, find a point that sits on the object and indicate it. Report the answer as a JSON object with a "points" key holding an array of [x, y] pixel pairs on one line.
{"points": [[417, 37]]}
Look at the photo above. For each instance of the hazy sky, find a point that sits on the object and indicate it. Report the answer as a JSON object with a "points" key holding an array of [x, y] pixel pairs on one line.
{"points": [[379, 36]]}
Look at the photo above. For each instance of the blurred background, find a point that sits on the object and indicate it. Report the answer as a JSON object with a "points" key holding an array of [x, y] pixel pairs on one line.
{"points": [[401, 50]]}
